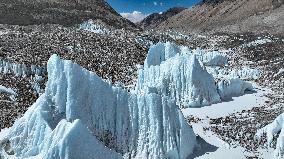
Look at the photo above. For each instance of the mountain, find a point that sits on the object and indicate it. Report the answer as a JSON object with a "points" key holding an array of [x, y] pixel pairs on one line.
{"points": [[230, 16], [64, 12], [155, 19]]}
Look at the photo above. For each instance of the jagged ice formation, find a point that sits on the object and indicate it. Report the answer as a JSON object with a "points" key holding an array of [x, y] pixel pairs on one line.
{"points": [[78, 101], [178, 75], [271, 130]]}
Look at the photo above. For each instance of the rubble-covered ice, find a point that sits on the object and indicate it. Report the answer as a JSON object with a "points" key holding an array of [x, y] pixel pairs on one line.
{"points": [[258, 42], [272, 130], [79, 112], [92, 26]]}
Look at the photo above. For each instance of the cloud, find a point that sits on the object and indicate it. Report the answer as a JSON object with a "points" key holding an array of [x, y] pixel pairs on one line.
{"points": [[161, 4], [135, 16], [155, 3]]}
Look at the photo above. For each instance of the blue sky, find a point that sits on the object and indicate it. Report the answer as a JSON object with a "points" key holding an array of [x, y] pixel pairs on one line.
{"points": [[140, 8]]}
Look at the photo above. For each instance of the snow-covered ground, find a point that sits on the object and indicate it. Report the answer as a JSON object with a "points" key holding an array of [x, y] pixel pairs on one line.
{"points": [[237, 104]]}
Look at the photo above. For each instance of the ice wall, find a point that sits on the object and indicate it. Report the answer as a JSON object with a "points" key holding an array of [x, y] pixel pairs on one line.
{"points": [[246, 73], [20, 69], [211, 58], [272, 130], [228, 88], [177, 75], [79, 109]]}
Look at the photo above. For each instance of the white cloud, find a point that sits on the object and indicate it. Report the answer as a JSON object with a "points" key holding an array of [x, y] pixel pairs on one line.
{"points": [[135, 16], [161, 4], [155, 3]]}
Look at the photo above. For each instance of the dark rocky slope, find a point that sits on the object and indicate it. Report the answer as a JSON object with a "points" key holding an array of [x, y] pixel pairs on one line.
{"points": [[64, 12], [155, 19]]}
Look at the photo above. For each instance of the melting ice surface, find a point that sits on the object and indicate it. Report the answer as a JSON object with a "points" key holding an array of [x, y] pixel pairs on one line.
{"points": [[82, 116]]}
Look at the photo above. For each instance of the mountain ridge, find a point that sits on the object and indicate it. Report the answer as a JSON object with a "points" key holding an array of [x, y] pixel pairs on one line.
{"points": [[153, 20], [230, 16], [66, 13]]}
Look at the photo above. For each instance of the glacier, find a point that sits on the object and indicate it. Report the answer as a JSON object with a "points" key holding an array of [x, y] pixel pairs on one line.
{"points": [[112, 122]]}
